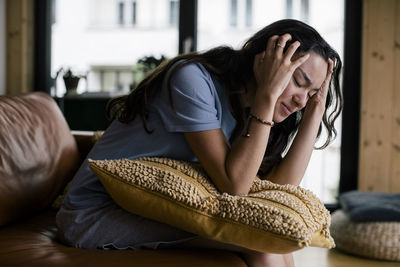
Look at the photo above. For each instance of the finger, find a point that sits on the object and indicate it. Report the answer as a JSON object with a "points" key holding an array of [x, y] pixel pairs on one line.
{"points": [[291, 50], [271, 43], [325, 85], [259, 58], [300, 60], [281, 42], [328, 77], [330, 66]]}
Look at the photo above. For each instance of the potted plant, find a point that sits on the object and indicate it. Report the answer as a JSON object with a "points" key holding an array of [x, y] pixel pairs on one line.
{"points": [[144, 66], [148, 63], [71, 82]]}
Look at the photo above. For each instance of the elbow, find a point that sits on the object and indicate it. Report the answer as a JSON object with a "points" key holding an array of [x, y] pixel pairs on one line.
{"points": [[239, 192], [239, 182], [236, 189]]}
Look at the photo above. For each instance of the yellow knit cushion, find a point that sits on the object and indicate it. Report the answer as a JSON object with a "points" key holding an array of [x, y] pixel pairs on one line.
{"points": [[271, 218]]}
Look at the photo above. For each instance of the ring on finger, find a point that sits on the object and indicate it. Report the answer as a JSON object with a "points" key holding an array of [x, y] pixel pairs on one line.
{"points": [[280, 45]]}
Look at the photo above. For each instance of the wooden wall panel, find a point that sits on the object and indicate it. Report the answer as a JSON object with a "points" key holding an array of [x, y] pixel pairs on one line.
{"points": [[379, 101], [19, 46], [395, 175]]}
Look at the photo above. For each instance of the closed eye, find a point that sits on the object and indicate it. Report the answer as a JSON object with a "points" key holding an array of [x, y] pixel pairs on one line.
{"points": [[296, 82]]}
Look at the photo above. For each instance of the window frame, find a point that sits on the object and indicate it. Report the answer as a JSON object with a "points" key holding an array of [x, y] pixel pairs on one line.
{"points": [[188, 31]]}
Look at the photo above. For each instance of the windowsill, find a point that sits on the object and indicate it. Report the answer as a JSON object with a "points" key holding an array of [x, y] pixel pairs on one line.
{"points": [[92, 95]]}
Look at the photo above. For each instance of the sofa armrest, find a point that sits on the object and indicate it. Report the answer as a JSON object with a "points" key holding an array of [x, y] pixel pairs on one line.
{"points": [[85, 141]]}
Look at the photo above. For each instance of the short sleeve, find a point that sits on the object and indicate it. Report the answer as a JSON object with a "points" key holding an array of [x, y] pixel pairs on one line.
{"points": [[196, 106]]}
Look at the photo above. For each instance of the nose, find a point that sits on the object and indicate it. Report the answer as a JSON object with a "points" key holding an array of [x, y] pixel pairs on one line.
{"points": [[300, 99]]}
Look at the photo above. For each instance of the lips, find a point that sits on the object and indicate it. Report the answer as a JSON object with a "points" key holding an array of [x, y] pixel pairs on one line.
{"points": [[286, 110]]}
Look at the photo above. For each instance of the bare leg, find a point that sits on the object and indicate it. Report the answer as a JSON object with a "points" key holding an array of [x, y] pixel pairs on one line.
{"points": [[289, 260], [258, 259], [252, 258]]}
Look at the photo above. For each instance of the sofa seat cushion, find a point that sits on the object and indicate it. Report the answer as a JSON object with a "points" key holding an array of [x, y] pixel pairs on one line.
{"points": [[33, 243]]}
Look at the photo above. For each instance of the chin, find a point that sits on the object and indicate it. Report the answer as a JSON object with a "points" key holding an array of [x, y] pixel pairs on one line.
{"points": [[279, 119]]}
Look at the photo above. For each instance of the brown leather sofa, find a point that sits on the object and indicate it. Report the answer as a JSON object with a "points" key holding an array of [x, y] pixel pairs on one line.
{"points": [[38, 157]]}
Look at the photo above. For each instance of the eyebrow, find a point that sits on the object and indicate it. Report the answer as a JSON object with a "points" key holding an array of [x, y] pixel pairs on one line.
{"points": [[308, 80]]}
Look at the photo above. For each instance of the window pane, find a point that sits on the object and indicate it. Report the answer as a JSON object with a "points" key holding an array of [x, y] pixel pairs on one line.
{"points": [[104, 39], [134, 12], [215, 27], [174, 12], [121, 13], [249, 13], [233, 15]]}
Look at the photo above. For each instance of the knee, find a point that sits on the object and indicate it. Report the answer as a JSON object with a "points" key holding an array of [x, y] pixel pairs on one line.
{"points": [[258, 259], [289, 260]]}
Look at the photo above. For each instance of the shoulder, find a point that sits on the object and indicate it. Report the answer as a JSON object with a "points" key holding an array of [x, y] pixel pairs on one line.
{"points": [[188, 99], [191, 79], [192, 72]]}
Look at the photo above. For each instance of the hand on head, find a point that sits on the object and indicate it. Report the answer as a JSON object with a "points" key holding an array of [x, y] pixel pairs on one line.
{"points": [[274, 67], [319, 98]]}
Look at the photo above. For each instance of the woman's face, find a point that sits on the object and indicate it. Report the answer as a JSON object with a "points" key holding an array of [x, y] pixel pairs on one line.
{"points": [[305, 82]]}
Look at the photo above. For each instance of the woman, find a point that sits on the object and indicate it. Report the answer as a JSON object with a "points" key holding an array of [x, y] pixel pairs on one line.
{"points": [[234, 111]]}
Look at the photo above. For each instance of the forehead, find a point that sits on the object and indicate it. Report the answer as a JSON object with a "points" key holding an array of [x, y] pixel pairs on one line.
{"points": [[315, 68]]}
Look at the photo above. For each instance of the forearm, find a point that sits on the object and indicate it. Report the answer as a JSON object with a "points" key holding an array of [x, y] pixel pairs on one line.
{"points": [[293, 166], [233, 168], [246, 154]]}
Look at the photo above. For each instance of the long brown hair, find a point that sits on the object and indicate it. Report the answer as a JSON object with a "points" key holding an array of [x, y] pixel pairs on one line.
{"points": [[235, 68]]}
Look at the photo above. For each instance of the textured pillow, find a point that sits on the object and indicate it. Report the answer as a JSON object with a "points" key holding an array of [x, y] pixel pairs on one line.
{"points": [[271, 218], [377, 240]]}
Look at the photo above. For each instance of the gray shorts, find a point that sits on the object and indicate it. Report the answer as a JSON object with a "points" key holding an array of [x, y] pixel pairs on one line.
{"points": [[111, 227]]}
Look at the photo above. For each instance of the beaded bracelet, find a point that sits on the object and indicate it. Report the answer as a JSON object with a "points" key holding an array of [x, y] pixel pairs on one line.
{"points": [[250, 119]]}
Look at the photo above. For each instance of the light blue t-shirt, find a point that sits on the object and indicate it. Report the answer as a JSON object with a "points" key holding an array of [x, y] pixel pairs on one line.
{"points": [[199, 103]]}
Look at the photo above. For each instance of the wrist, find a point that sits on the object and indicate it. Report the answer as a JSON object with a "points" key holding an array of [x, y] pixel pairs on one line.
{"points": [[314, 110], [265, 98], [263, 106]]}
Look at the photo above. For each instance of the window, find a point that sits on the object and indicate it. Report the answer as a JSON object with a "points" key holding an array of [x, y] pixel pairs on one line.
{"points": [[126, 12], [249, 13], [299, 9], [241, 13], [305, 9], [289, 8], [234, 13], [96, 40], [134, 13], [322, 176], [121, 13], [173, 12]]}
